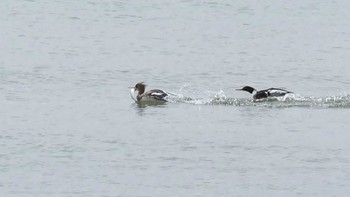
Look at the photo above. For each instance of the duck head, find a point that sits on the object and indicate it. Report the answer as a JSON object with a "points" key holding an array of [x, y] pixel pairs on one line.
{"points": [[248, 89], [140, 87]]}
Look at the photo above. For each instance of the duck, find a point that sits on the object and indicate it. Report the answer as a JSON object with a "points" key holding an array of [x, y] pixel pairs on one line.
{"points": [[151, 95], [267, 93]]}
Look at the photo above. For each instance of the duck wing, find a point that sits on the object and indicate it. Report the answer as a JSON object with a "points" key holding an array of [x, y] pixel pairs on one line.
{"points": [[157, 94], [277, 92]]}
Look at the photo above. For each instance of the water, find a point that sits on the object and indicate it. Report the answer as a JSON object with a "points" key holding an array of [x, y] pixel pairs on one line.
{"points": [[70, 128]]}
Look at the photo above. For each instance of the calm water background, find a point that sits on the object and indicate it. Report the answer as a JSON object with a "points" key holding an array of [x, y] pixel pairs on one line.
{"points": [[68, 126]]}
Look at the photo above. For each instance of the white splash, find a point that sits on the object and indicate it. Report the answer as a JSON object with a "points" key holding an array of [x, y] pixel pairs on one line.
{"points": [[132, 94]]}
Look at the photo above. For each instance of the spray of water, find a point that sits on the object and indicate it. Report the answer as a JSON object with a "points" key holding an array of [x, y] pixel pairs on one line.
{"points": [[287, 101]]}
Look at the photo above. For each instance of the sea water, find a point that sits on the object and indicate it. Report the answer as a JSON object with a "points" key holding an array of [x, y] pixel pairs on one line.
{"points": [[69, 127]]}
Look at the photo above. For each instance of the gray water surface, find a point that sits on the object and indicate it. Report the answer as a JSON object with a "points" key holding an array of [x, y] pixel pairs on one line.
{"points": [[68, 126]]}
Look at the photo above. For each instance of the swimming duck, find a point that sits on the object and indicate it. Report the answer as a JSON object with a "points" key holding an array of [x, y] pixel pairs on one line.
{"points": [[151, 95], [271, 92]]}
